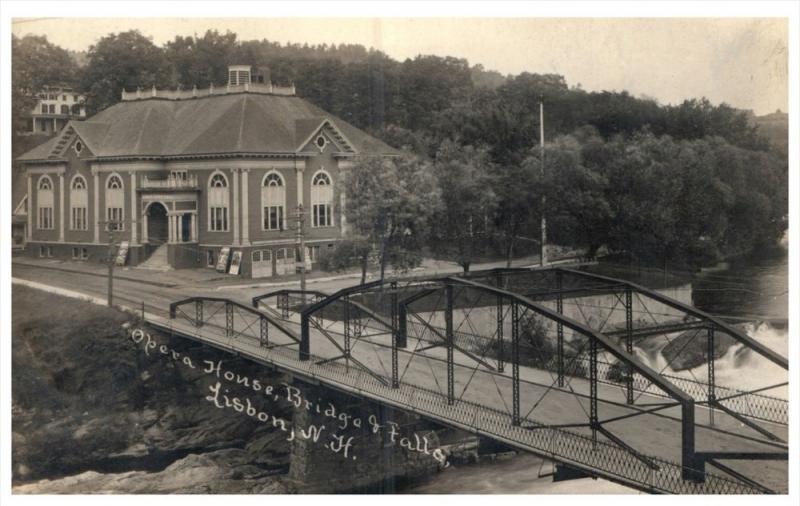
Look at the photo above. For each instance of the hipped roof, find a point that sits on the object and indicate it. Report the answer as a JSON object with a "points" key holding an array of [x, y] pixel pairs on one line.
{"points": [[242, 123]]}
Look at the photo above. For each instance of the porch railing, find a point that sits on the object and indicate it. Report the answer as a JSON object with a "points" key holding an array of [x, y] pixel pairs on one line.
{"points": [[188, 182]]}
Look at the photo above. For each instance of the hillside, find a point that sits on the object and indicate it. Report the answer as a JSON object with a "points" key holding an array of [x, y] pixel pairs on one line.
{"points": [[775, 127]]}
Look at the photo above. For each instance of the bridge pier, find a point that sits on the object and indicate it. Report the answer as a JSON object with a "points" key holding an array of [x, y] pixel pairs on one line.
{"points": [[376, 461], [564, 472], [488, 446]]}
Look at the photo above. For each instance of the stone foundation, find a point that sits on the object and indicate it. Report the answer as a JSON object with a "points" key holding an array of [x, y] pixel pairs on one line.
{"points": [[184, 256], [95, 253], [374, 462]]}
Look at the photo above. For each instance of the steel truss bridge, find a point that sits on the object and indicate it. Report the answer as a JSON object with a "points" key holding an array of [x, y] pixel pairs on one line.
{"points": [[543, 360]]}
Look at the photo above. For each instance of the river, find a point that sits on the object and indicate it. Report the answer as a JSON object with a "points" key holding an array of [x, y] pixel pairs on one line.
{"points": [[756, 288]]}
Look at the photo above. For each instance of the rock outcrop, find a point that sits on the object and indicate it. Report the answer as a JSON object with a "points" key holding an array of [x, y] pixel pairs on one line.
{"points": [[92, 412]]}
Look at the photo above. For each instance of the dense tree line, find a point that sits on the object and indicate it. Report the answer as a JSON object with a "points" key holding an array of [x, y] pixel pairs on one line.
{"points": [[656, 199], [689, 183], [646, 199], [430, 97]]}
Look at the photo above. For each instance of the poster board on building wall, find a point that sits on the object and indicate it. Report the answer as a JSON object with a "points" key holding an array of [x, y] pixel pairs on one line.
{"points": [[222, 261], [308, 259], [236, 261], [122, 253]]}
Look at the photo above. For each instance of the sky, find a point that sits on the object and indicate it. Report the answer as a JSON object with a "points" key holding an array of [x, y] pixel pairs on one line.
{"points": [[740, 61]]}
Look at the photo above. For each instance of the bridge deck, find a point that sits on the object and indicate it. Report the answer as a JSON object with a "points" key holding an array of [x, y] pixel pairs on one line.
{"points": [[483, 408]]}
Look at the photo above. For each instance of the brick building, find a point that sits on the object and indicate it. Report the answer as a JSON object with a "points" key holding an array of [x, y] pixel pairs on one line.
{"points": [[188, 175]]}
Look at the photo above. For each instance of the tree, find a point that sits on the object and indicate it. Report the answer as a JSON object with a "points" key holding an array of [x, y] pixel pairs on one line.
{"points": [[202, 61], [417, 142], [389, 204], [484, 118], [519, 191], [578, 213], [482, 78], [429, 84], [345, 254], [755, 187], [127, 60], [689, 202], [463, 226], [695, 119]]}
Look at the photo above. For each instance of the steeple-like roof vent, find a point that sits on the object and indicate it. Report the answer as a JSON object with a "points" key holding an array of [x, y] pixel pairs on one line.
{"points": [[238, 74]]}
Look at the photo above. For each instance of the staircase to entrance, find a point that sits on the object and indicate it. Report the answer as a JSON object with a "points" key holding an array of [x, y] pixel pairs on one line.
{"points": [[158, 260]]}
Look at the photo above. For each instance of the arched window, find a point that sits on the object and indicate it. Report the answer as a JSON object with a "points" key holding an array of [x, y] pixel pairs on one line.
{"points": [[114, 182], [218, 181], [218, 203], [44, 203], [115, 202], [321, 200], [273, 179], [78, 204], [321, 179], [52, 108], [64, 109], [78, 183], [273, 202]]}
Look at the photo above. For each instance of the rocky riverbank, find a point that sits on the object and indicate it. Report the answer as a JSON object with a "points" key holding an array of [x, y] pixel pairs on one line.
{"points": [[92, 413]]}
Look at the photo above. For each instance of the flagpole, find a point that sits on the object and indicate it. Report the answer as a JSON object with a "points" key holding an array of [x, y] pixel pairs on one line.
{"points": [[543, 253]]}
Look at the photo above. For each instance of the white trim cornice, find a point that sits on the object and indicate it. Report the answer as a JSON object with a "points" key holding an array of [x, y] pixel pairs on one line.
{"points": [[126, 166], [56, 169], [233, 164], [168, 197]]}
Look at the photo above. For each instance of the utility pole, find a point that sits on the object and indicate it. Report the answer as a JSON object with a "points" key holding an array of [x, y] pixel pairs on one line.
{"points": [[543, 254], [111, 260], [300, 242]]}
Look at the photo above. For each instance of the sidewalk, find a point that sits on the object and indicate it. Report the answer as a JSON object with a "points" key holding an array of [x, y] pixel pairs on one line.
{"points": [[164, 279], [209, 278], [429, 267]]}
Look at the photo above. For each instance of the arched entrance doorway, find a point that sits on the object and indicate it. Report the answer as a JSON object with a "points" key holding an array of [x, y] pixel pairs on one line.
{"points": [[157, 223]]}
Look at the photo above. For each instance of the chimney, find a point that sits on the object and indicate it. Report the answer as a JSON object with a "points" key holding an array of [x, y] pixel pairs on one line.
{"points": [[238, 75]]}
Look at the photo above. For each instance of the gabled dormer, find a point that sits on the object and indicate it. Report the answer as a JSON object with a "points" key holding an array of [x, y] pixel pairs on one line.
{"points": [[69, 140], [318, 135]]}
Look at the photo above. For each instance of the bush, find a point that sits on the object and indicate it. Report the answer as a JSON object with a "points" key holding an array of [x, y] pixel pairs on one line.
{"points": [[345, 255]]}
